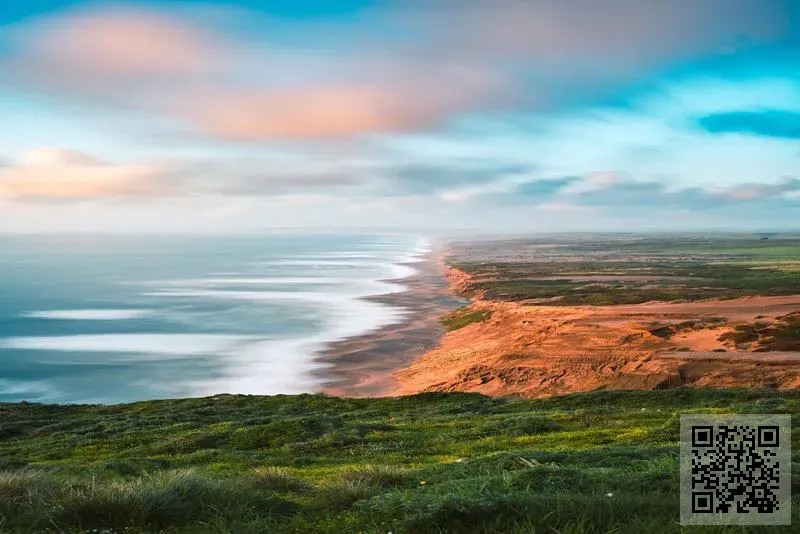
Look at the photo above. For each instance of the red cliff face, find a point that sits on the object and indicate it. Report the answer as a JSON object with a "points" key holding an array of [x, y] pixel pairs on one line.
{"points": [[535, 351]]}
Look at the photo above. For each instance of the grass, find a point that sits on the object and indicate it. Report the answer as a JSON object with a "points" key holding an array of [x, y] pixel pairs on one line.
{"points": [[463, 317], [670, 268], [431, 463]]}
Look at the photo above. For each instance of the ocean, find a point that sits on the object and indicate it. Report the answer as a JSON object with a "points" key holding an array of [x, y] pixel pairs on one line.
{"points": [[108, 319]]}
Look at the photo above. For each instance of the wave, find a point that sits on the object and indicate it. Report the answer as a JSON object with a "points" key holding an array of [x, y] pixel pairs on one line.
{"points": [[160, 344], [342, 254], [273, 366], [248, 281], [286, 366], [253, 364], [32, 390], [89, 315], [319, 262]]}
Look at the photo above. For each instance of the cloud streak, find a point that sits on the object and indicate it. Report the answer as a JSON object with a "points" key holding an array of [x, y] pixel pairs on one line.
{"points": [[637, 194], [60, 174], [771, 123]]}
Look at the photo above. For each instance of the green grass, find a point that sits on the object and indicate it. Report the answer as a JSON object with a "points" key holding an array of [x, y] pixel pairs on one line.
{"points": [[463, 317], [678, 268], [429, 463]]}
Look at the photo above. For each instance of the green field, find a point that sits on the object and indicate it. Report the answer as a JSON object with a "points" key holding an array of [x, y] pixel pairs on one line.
{"points": [[601, 462], [463, 317], [669, 268]]}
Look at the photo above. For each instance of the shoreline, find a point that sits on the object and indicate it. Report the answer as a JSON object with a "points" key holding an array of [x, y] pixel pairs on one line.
{"points": [[364, 366]]}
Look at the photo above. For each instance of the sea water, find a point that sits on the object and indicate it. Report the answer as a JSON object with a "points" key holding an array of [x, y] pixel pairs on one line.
{"points": [[115, 319]]}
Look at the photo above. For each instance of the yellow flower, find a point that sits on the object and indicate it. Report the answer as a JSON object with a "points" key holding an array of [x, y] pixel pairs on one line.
{"points": [[422, 482]]}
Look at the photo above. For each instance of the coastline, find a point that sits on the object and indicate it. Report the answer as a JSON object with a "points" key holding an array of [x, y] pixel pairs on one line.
{"points": [[541, 351], [364, 366]]}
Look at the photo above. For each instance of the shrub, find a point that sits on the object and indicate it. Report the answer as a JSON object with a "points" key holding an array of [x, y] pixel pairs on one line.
{"points": [[377, 475], [279, 479], [345, 493]]}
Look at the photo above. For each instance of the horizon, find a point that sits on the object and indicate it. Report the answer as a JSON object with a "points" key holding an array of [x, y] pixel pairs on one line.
{"points": [[215, 117], [427, 233]]}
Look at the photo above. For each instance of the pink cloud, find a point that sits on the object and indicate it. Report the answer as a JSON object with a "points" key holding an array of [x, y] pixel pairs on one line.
{"points": [[55, 173], [381, 103], [113, 47], [462, 59]]}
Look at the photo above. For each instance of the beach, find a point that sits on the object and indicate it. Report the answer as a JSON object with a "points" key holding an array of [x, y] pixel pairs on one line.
{"points": [[363, 366]]}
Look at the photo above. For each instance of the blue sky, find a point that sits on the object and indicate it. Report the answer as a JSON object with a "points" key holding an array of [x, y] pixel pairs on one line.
{"points": [[501, 115]]}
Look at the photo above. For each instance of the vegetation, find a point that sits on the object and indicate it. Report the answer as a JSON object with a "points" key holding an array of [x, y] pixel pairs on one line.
{"points": [[430, 463], [670, 330], [463, 317], [783, 335], [626, 269]]}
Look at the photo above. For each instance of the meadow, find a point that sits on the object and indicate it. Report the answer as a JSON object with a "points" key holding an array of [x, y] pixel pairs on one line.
{"points": [[598, 462], [630, 269]]}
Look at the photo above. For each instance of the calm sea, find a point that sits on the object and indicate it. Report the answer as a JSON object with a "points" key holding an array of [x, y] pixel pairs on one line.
{"points": [[115, 319]]}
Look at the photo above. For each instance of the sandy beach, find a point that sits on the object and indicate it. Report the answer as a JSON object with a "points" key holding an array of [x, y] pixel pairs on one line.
{"points": [[363, 366]]}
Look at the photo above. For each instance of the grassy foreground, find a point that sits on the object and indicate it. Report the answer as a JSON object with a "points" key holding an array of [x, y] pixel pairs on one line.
{"points": [[598, 462]]}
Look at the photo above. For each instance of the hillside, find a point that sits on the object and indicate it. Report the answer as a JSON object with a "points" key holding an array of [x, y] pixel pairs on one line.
{"points": [[596, 462], [555, 315]]}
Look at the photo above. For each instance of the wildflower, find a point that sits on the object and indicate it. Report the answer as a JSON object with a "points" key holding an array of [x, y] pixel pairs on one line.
{"points": [[422, 482], [609, 494], [459, 460]]}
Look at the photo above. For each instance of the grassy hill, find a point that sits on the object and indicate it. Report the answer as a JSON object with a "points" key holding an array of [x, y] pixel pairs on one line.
{"points": [[599, 462]]}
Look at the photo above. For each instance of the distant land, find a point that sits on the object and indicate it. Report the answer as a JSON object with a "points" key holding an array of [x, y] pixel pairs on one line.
{"points": [[561, 314]]}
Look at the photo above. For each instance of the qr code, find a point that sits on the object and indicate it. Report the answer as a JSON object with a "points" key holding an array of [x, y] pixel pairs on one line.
{"points": [[735, 469]]}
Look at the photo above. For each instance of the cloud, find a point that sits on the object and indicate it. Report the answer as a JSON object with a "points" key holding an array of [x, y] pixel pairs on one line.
{"points": [[68, 175], [619, 31], [368, 106], [256, 177], [634, 194], [771, 123], [544, 188], [786, 188], [592, 182], [114, 48], [619, 191], [54, 173], [234, 89], [454, 181], [514, 189], [402, 67]]}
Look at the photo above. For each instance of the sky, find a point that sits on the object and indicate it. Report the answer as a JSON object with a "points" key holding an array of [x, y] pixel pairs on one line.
{"points": [[468, 115]]}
